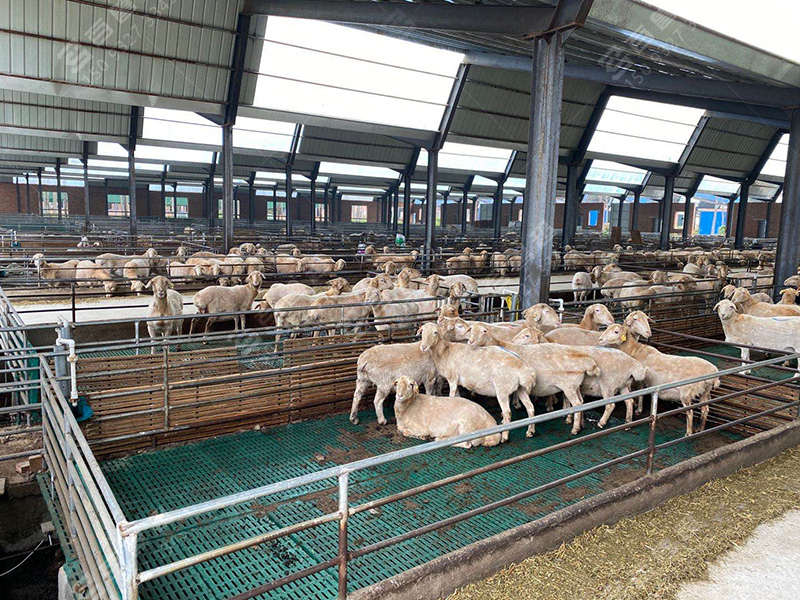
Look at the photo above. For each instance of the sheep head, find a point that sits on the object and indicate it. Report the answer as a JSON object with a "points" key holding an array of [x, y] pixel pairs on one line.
{"points": [[615, 335], [430, 337], [789, 295], [725, 309], [638, 324], [457, 290], [740, 295], [447, 310], [479, 335], [541, 314], [600, 315], [255, 279], [405, 389], [159, 284], [529, 336], [793, 281], [339, 265], [453, 329]]}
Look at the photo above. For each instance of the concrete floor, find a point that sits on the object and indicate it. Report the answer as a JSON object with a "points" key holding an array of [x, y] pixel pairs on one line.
{"points": [[764, 567]]}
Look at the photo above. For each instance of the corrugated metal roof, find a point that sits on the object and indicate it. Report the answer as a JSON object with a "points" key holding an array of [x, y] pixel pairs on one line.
{"points": [[322, 143]]}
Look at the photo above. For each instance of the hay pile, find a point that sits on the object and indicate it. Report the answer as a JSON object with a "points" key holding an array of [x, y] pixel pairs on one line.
{"points": [[650, 555]]}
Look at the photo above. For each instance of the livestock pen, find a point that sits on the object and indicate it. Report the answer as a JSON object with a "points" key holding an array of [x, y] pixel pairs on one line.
{"points": [[230, 469]]}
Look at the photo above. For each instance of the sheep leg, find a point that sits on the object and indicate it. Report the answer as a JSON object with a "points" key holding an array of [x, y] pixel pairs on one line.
{"points": [[362, 385], [704, 410], [686, 402], [522, 396], [745, 352], [453, 385], [640, 405], [380, 396], [431, 388], [505, 409], [575, 399], [209, 322], [606, 415]]}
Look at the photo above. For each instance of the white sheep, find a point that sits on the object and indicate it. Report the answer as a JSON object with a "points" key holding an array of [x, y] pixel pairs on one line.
{"points": [[278, 290], [166, 302], [488, 371], [339, 308], [542, 316], [773, 333], [423, 416], [218, 299], [747, 304], [390, 315], [320, 264], [664, 368], [87, 272], [382, 365], [789, 296], [135, 271], [54, 272], [557, 368], [499, 263], [582, 286]]}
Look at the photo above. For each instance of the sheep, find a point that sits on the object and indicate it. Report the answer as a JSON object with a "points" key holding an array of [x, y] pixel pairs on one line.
{"points": [[380, 281], [334, 307], [184, 271], [594, 317], [469, 283], [382, 365], [218, 299], [233, 267], [612, 287], [542, 316], [728, 291], [478, 261], [793, 281], [664, 368], [423, 416], [459, 330], [320, 264], [401, 260], [88, 271], [499, 263], [53, 272], [390, 315], [253, 263], [134, 271], [390, 268], [278, 290], [181, 252], [581, 286], [618, 372], [557, 368], [166, 302], [789, 296], [747, 304], [774, 333], [515, 262], [288, 264], [426, 304], [601, 274], [459, 263], [487, 371], [577, 260]]}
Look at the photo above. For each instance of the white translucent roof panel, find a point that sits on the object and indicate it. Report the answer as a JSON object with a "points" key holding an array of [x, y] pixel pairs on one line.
{"points": [[776, 165], [483, 181], [323, 69], [714, 185], [267, 176], [359, 170], [185, 126], [180, 126], [516, 182], [466, 157], [603, 190], [642, 129], [156, 153], [611, 172]]}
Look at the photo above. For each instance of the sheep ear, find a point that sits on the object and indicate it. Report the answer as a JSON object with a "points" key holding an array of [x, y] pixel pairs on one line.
{"points": [[149, 283], [716, 306], [170, 284]]}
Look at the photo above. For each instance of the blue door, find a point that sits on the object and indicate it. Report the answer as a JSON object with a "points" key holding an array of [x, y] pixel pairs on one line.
{"points": [[711, 221]]}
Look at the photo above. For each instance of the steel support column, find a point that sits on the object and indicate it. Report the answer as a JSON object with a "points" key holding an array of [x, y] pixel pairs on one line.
{"points": [[445, 195], [497, 211], [637, 197], [19, 195], [227, 186], [289, 192], [547, 86], [741, 216], [41, 194], [687, 219], [132, 193], [619, 216], [28, 193], [396, 208], [251, 197], [407, 205], [175, 200], [788, 253], [571, 202], [58, 189], [430, 208], [729, 218], [768, 217], [666, 219], [163, 210], [86, 211], [464, 201], [313, 224]]}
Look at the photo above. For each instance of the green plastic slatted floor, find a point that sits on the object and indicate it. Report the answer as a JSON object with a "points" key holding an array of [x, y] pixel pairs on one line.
{"points": [[175, 477]]}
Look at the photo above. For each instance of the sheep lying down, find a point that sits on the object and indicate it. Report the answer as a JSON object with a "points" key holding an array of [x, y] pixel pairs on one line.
{"points": [[422, 416]]}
